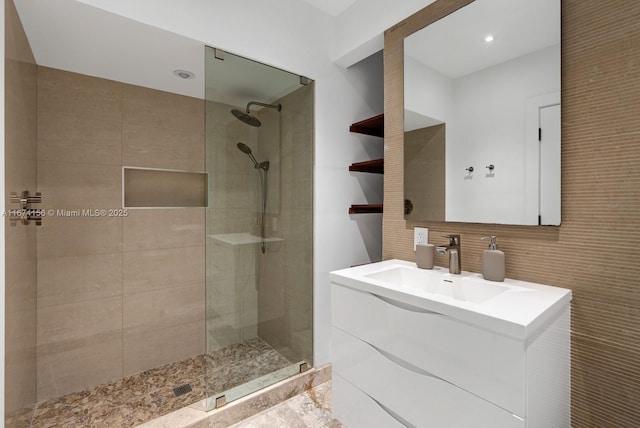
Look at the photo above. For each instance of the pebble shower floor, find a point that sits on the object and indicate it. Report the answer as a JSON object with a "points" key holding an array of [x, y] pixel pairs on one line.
{"points": [[136, 399]]}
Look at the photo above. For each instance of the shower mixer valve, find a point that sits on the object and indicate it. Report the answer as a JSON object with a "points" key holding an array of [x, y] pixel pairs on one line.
{"points": [[25, 214]]}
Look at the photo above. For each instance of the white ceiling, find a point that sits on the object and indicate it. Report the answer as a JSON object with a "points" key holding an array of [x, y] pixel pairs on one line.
{"points": [[455, 47], [73, 36], [332, 7], [87, 37]]}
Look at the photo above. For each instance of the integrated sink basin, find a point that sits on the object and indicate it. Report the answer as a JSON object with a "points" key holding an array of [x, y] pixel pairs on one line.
{"points": [[515, 308], [458, 287]]}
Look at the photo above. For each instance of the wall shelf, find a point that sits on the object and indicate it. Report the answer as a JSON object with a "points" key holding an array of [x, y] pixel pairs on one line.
{"points": [[375, 166], [365, 209], [371, 126]]}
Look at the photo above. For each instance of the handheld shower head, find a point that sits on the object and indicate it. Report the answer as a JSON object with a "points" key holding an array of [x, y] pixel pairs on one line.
{"points": [[244, 148], [247, 150], [262, 168]]}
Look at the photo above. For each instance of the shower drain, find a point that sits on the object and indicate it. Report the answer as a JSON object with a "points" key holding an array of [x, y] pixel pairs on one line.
{"points": [[181, 390]]}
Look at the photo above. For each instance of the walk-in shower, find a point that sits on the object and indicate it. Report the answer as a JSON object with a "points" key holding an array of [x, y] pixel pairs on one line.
{"points": [[115, 319], [263, 168]]}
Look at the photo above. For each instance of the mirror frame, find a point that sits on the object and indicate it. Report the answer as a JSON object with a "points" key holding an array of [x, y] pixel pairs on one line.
{"points": [[394, 103]]}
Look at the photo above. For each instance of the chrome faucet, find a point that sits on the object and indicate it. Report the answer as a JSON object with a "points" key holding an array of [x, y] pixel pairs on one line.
{"points": [[455, 258]]}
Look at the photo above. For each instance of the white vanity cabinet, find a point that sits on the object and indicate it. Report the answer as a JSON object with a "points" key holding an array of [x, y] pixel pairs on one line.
{"points": [[403, 359]]}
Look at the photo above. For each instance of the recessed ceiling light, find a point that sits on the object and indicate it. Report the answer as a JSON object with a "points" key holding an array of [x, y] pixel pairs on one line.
{"points": [[184, 74], [489, 38]]}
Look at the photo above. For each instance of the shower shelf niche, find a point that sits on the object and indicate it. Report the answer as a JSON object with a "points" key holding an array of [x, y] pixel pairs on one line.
{"points": [[163, 188], [372, 126]]}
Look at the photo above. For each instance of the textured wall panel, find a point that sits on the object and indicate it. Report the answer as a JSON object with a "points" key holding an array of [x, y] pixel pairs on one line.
{"points": [[596, 250], [20, 120]]}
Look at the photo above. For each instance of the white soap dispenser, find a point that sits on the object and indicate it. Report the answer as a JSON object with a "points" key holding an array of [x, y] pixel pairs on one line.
{"points": [[493, 261]]}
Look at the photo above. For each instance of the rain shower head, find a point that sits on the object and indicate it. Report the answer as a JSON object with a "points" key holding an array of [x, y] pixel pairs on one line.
{"points": [[248, 118]]}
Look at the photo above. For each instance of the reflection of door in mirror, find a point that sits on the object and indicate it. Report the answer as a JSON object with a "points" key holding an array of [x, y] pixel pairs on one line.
{"points": [[483, 91], [549, 138], [542, 160]]}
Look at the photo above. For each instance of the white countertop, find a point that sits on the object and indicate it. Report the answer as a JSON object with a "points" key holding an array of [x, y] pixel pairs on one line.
{"points": [[520, 311]]}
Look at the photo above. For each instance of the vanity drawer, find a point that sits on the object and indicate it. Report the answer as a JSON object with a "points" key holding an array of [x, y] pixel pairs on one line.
{"points": [[484, 363], [356, 409], [398, 388]]}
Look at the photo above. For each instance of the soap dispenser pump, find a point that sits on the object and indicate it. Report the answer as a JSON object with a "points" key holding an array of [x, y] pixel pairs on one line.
{"points": [[493, 261]]}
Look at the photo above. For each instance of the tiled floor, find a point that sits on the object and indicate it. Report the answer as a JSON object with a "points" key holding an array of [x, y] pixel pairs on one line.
{"points": [[312, 409], [139, 398]]}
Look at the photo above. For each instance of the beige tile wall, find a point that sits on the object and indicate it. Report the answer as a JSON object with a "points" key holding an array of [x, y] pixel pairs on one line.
{"points": [[162, 130], [163, 254], [595, 250], [234, 200], [116, 295], [20, 240], [286, 271]]}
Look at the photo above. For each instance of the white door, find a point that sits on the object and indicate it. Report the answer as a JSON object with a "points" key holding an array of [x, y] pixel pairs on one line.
{"points": [[549, 137]]}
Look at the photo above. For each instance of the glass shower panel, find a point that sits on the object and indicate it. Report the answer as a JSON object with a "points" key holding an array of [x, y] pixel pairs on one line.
{"points": [[259, 147]]}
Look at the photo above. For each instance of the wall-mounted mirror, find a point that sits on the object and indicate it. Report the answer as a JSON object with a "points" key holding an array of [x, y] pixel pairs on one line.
{"points": [[480, 84]]}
